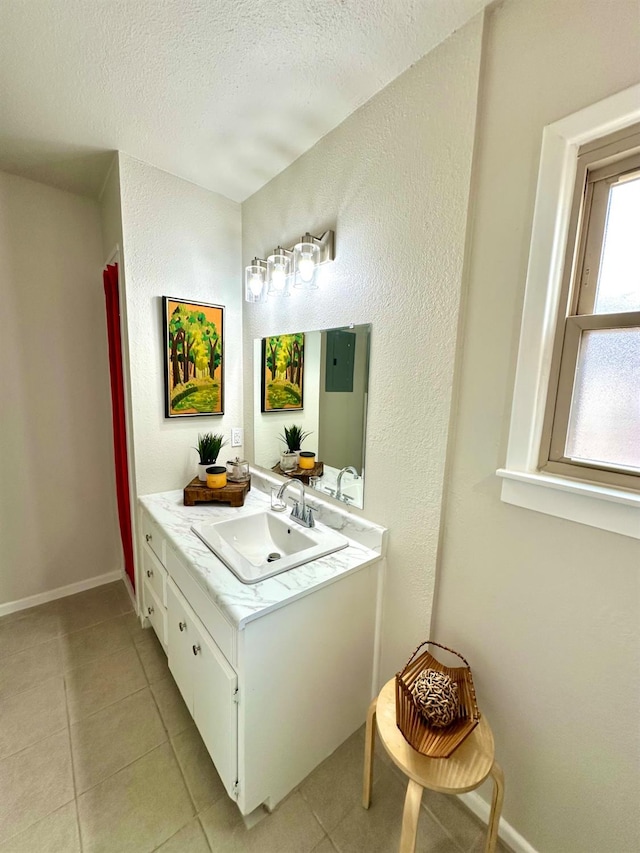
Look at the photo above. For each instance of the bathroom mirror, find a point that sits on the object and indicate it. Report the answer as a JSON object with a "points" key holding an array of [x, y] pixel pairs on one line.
{"points": [[317, 380]]}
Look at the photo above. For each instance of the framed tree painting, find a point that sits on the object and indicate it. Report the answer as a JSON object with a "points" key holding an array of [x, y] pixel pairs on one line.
{"points": [[282, 372], [193, 358]]}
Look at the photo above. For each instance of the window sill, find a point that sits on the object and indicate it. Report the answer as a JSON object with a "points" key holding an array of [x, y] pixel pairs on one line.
{"points": [[606, 507]]}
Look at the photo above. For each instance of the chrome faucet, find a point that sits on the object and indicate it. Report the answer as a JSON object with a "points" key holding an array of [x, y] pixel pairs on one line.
{"points": [[348, 470], [300, 512]]}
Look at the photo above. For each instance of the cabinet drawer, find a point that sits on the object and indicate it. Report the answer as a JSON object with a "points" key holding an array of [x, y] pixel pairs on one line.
{"points": [[155, 574], [152, 535], [208, 612], [156, 613]]}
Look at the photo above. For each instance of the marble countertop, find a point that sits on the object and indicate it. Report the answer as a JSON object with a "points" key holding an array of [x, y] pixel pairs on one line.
{"points": [[242, 603]]}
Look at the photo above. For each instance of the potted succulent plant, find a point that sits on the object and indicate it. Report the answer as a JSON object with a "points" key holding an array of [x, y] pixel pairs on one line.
{"points": [[293, 438], [209, 445]]}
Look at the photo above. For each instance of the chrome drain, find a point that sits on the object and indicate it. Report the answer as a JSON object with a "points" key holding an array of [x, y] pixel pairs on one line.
{"points": [[273, 556]]}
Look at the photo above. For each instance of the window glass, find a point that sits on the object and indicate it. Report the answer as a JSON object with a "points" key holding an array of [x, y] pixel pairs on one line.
{"points": [[619, 279], [604, 424]]}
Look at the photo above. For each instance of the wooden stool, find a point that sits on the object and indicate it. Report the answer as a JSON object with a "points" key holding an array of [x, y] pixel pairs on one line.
{"points": [[466, 769]]}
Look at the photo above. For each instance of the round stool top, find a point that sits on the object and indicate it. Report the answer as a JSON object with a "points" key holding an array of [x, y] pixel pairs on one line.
{"points": [[464, 770]]}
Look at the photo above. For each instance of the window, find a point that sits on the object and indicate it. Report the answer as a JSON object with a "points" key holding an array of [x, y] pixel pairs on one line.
{"points": [[574, 436], [592, 420]]}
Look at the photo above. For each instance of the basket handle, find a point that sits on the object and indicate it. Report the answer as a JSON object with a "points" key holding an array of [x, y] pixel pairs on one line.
{"points": [[440, 646]]}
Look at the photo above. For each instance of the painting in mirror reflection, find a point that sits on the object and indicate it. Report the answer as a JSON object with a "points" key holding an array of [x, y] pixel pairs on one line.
{"points": [[282, 373]]}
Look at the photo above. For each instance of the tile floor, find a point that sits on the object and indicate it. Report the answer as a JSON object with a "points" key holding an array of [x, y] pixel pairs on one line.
{"points": [[99, 754]]}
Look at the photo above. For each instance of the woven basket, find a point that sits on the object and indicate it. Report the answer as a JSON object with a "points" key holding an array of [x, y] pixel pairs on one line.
{"points": [[426, 739]]}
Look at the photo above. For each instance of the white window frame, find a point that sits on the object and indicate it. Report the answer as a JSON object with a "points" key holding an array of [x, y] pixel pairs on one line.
{"points": [[523, 484]]}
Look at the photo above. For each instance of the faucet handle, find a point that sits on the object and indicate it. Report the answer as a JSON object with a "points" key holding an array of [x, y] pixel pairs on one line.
{"points": [[310, 520], [295, 509]]}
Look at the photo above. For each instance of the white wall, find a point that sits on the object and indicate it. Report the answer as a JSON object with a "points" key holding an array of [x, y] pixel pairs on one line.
{"points": [[184, 241], [546, 610], [393, 180], [58, 522]]}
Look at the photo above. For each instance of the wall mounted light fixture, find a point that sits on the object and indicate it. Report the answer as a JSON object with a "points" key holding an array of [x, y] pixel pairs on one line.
{"points": [[297, 266]]}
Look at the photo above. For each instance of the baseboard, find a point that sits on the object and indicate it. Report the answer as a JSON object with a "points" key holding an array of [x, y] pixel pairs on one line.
{"points": [[507, 833], [60, 592]]}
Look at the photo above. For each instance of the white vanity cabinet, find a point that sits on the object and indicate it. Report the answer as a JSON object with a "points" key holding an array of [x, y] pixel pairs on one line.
{"points": [[274, 695]]}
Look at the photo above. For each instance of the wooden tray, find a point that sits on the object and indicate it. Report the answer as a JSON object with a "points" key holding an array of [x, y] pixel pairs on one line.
{"points": [[197, 492], [302, 474]]}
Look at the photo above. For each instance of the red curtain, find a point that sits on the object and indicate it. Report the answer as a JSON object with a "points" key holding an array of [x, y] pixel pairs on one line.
{"points": [[110, 277]]}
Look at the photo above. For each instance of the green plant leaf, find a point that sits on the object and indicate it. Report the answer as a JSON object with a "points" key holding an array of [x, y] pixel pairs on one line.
{"points": [[293, 437]]}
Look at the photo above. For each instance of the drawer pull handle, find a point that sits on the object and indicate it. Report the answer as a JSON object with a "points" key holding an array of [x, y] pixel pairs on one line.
{"points": [[149, 573], [196, 649], [149, 610], [182, 625], [148, 537]]}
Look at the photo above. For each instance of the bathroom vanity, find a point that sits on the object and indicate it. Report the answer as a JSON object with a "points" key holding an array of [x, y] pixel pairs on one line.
{"points": [[276, 674]]}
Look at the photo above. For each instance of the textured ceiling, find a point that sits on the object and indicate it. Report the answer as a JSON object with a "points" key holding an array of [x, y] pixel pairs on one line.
{"points": [[225, 93]]}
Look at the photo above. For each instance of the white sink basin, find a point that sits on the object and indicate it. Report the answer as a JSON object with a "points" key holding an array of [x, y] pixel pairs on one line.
{"points": [[264, 544]]}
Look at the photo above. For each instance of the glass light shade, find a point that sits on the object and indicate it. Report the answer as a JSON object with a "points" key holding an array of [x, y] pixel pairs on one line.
{"points": [[306, 258], [278, 272], [255, 282]]}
